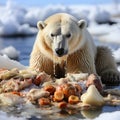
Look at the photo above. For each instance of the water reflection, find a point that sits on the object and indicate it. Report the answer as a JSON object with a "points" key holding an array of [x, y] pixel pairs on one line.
{"points": [[91, 114]]}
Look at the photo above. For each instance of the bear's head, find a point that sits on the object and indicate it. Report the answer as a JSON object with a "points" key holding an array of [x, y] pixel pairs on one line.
{"points": [[61, 34]]}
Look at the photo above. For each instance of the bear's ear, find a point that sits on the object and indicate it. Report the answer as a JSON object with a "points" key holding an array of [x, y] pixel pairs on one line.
{"points": [[41, 25], [82, 24]]}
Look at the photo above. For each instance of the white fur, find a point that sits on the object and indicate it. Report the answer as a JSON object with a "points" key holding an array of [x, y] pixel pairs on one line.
{"points": [[83, 55]]}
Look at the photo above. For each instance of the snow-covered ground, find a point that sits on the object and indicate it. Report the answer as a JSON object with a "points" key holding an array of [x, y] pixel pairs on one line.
{"points": [[19, 20], [12, 21], [116, 54], [11, 52], [110, 116], [6, 62]]}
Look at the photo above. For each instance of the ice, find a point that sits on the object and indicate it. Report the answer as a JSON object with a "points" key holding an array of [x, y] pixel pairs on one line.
{"points": [[119, 68], [12, 21], [11, 27], [33, 16], [112, 36], [17, 20], [8, 26], [4, 116], [11, 52], [7, 63], [116, 54], [101, 16], [110, 116], [105, 32], [25, 29], [99, 30], [15, 11]]}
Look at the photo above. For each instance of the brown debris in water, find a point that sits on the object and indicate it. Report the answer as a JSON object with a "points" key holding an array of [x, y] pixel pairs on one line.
{"points": [[60, 69]]}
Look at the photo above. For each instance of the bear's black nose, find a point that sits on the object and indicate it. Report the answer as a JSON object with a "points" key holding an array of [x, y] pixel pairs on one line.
{"points": [[60, 51]]}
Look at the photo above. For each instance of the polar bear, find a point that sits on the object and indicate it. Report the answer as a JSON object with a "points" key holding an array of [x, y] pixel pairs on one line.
{"points": [[62, 40]]}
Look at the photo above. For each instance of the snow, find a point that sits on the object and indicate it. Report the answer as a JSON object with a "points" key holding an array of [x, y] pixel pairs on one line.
{"points": [[110, 116], [116, 55], [7, 63], [11, 52], [10, 27], [113, 36], [4, 116], [119, 68], [102, 16], [105, 32], [99, 30], [12, 21], [17, 20]]}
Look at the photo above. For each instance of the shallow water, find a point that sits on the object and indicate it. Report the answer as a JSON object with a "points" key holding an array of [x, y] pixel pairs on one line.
{"points": [[24, 45]]}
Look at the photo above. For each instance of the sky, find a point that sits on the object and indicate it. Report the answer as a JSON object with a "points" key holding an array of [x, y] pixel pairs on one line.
{"points": [[64, 2]]}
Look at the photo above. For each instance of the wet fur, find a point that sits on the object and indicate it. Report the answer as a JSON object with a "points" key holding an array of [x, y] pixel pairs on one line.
{"points": [[87, 58]]}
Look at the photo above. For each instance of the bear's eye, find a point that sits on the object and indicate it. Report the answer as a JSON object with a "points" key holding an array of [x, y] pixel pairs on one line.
{"points": [[68, 35], [52, 35]]}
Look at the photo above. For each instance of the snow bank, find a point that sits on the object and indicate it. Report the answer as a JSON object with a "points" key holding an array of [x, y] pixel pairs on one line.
{"points": [[116, 54], [105, 32], [35, 14], [12, 21], [100, 15], [11, 52], [5, 62], [13, 28], [99, 30], [113, 36], [17, 20], [4, 116], [119, 68], [109, 116]]}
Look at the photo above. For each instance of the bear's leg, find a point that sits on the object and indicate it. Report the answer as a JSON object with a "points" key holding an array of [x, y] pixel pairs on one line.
{"points": [[106, 66]]}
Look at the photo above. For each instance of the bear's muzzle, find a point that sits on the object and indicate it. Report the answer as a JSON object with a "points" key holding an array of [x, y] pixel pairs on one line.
{"points": [[60, 46], [60, 52]]}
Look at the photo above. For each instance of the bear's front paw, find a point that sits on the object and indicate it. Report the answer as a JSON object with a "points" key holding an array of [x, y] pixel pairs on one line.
{"points": [[110, 77]]}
